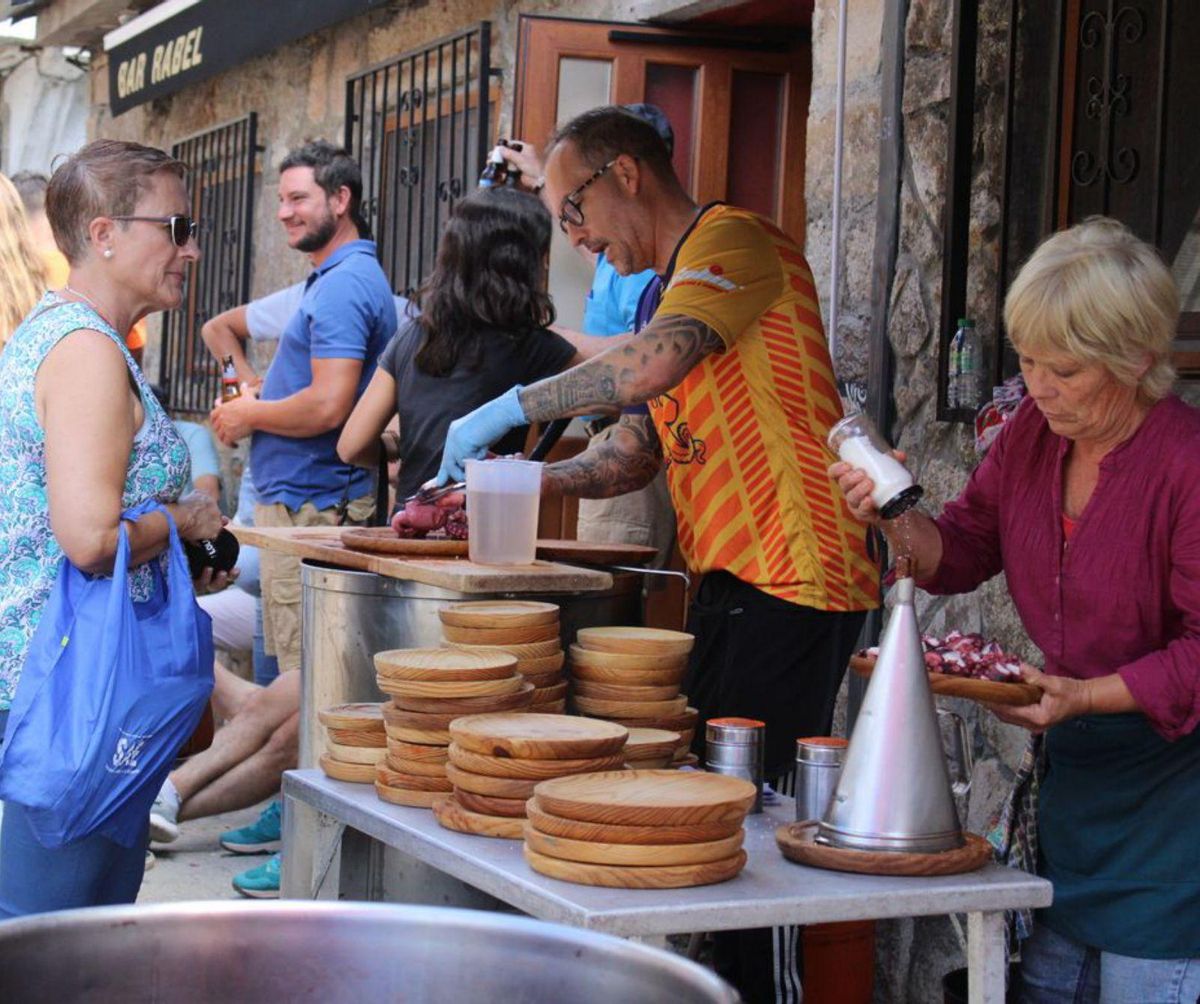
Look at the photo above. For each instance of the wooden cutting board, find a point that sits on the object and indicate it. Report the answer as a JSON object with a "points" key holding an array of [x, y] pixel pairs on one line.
{"points": [[642, 664], [621, 692], [1015, 694], [647, 797], [619, 877], [359, 717], [418, 751], [414, 735], [444, 664], [538, 736], [544, 681], [499, 613], [630, 709], [426, 768], [482, 784], [453, 816], [355, 773], [355, 754], [519, 635], [411, 782], [355, 737], [455, 706], [490, 805], [383, 540], [324, 544], [650, 742], [528, 650], [631, 854], [685, 722], [530, 770], [575, 829], [404, 718], [450, 689], [636, 641], [550, 693], [541, 665], [596, 554], [407, 796], [629, 677]]}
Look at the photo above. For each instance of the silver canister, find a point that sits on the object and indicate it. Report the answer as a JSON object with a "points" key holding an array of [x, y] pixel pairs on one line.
{"points": [[735, 746], [818, 762]]}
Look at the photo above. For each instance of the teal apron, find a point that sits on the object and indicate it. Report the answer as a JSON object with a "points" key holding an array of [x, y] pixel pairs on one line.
{"points": [[1119, 836]]}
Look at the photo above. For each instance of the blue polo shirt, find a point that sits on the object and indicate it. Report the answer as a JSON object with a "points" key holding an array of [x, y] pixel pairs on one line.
{"points": [[346, 312], [612, 301]]}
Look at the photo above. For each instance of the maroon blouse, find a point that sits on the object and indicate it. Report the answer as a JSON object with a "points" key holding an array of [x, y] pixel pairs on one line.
{"points": [[1123, 595]]}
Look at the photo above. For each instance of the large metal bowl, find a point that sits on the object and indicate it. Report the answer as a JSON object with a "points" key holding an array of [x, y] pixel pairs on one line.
{"points": [[332, 952]]}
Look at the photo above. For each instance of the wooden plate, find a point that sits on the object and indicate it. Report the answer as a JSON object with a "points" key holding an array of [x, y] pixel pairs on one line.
{"points": [[499, 614], [552, 708], [359, 717], [636, 641], [490, 805], [542, 664], [501, 636], [406, 796], [418, 751], [987, 691], [650, 742], [796, 841], [538, 736], [661, 664], [683, 833], [355, 737], [519, 767], [631, 854], [529, 650], [541, 681], [548, 695], [425, 768], [630, 709], [629, 677], [453, 816], [454, 707], [623, 877], [620, 692], [497, 787], [356, 773], [685, 722], [404, 718], [355, 754], [427, 737], [383, 540], [659, 762], [410, 782], [647, 797], [442, 664], [595, 553], [451, 688]]}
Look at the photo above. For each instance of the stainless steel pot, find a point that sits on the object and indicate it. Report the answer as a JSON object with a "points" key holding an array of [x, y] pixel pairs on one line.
{"points": [[332, 952], [348, 616]]}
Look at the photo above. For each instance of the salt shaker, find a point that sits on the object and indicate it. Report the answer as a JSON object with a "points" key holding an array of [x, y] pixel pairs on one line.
{"points": [[855, 440], [735, 746], [818, 763]]}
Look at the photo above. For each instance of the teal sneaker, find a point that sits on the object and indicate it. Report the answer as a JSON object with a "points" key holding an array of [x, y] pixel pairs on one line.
{"points": [[261, 882], [263, 836]]}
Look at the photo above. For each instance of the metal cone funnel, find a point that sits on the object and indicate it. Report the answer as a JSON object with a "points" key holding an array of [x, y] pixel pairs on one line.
{"points": [[894, 790]]}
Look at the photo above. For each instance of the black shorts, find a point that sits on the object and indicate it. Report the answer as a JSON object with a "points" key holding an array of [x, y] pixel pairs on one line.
{"points": [[758, 656]]}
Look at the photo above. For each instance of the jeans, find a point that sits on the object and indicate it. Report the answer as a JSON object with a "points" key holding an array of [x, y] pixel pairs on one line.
{"points": [[266, 667], [1057, 970]]}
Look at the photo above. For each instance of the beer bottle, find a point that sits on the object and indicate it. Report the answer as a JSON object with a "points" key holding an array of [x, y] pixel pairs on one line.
{"points": [[230, 385], [498, 172]]}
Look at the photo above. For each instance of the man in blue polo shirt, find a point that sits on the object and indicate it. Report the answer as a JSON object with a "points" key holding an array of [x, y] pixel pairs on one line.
{"points": [[323, 364]]}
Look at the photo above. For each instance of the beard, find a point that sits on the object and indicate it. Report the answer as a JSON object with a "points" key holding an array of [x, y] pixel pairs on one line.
{"points": [[321, 234]]}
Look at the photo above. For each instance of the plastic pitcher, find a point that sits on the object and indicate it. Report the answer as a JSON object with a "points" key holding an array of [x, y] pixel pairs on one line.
{"points": [[502, 503]]}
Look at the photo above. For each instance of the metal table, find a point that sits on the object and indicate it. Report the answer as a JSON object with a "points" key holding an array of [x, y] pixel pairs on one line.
{"points": [[441, 866]]}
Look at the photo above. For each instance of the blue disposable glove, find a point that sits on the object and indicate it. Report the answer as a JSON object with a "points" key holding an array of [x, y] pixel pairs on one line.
{"points": [[470, 436]]}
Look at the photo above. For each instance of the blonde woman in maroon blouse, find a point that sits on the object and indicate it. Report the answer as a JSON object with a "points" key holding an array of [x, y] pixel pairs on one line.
{"points": [[1089, 502]]}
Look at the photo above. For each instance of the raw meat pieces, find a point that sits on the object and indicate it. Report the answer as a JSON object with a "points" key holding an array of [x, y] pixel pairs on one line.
{"points": [[966, 655], [419, 519]]}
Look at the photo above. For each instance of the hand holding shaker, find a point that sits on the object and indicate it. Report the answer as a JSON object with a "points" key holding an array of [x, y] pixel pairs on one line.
{"points": [[857, 442]]}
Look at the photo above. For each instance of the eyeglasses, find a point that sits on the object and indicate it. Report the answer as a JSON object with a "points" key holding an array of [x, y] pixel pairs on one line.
{"points": [[571, 211], [182, 228]]}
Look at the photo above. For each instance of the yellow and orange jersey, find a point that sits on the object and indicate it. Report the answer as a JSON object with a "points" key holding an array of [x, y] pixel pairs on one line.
{"points": [[744, 433]]}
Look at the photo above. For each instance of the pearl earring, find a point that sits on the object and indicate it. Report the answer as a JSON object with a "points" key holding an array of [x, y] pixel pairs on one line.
{"points": [[108, 252]]}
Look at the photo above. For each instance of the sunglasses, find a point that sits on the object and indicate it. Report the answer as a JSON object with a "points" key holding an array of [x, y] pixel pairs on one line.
{"points": [[571, 211], [181, 228]]}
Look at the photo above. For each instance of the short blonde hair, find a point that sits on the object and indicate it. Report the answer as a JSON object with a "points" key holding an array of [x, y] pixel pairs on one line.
{"points": [[1099, 294], [22, 274]]}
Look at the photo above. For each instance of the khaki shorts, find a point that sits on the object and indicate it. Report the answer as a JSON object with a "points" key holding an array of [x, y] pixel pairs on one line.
{"points": [[281, 574]]}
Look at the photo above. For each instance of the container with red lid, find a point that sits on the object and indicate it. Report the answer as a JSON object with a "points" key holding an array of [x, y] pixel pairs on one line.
{"points": [[734, 746]]}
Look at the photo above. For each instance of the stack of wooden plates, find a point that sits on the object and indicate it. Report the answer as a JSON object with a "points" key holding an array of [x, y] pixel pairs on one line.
{"points": [[648, 749], [430, 687], [497, 760], [639, 829], [355, 741], [632, 675], [527, 630]]}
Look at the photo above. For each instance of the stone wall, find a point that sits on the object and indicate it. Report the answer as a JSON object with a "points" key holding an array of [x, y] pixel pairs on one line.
{"points": [[43, 111]]}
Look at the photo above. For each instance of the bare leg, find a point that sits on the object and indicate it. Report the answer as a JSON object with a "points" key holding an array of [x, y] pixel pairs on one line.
{"points": [[230, 693], [249, 731], [251, 781]]}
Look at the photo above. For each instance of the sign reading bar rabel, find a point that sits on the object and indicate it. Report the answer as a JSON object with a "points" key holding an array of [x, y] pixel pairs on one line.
{"points": [[205, 37]]}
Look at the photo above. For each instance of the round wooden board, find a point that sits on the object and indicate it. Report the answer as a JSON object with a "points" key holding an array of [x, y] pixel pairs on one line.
{"points": [[483, 784], [687, 760], [796, 841], [541, 681], [551, 707], [499, 614], [425, 768], [424, 752], [354, 737], [527, 769], [355, 773], [660, 762], [451, 689], [549, 694], [410, 782], [529, 650], [630, 709], [416, 719], [672, 723], [357, 717], [453, 816], [636, 641], [490, 805], [651, 742], [427, 737], [647, 797], [450, 708], [613, 833], [594, 553], [542, 664], [619, 877], [355, 754], [405, 796], [443, 664], [670, 667], [501, 636], [623, 692], [986, 691], [384, 540], [631, 854], [538, 736]]}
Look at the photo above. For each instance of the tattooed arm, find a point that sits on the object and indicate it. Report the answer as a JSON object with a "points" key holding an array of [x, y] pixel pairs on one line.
{"points": [[650, 363], [624, 462]]}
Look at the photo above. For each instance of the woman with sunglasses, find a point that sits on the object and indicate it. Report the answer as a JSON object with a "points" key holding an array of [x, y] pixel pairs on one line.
{"points": [[83, 438]]}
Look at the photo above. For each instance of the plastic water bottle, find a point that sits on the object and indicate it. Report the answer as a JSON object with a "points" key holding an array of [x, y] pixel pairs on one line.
{"points": [[970, 365]]}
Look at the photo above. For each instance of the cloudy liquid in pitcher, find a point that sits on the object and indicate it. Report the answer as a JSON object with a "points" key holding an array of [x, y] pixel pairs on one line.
{"points": [[503, 527]]}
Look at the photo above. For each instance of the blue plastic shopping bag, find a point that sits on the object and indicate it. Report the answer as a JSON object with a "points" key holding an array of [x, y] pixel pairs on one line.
{"points": [[110, 691]]}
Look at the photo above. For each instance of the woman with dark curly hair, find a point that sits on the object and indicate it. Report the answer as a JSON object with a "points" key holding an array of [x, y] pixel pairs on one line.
{"points": [[482, 326]]}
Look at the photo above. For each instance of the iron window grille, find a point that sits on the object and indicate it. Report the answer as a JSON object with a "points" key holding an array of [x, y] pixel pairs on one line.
{"points": [[419, 126], [221, 168]]}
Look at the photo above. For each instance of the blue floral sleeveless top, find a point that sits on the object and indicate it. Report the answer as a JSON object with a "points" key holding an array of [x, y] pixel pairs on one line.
{"points": [[159, 467]]}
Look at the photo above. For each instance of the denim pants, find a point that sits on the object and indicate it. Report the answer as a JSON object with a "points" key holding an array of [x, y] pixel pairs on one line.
{"points": [[1057, 970]]}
